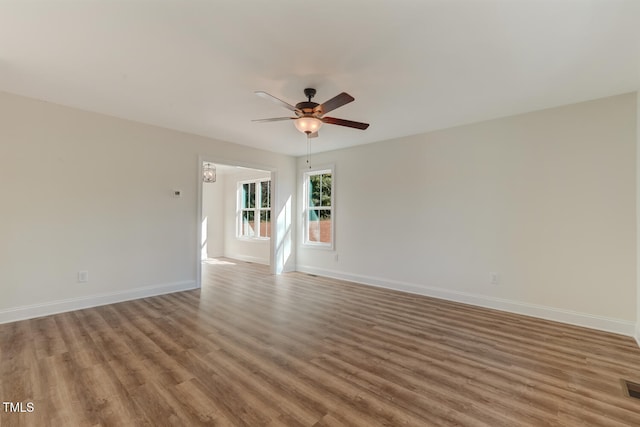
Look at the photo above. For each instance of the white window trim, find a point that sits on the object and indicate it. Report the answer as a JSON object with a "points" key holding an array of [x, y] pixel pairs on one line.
{"points": [[256, 181], [305, 207]]}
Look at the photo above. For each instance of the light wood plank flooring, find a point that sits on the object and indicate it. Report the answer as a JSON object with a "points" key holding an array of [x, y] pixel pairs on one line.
{"points": [[252, 349]]}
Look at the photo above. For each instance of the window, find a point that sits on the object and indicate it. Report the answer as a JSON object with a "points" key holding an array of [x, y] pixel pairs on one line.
{"points": [[318, 216], [254, 209]]}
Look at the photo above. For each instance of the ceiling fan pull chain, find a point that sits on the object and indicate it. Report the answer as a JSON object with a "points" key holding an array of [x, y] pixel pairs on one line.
{"points": [[308, 150]]}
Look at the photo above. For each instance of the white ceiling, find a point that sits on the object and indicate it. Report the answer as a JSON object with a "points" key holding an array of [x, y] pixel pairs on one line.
{"points": [[413, 66]]}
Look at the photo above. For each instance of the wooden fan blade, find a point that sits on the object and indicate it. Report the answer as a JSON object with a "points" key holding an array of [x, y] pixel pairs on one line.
{"points": [[272, 98], [347, 123], [275, 119], [333, 103]]}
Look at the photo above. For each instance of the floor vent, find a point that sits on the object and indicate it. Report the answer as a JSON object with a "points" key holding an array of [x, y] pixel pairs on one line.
{"points": [[311, 275], [631, 389]]}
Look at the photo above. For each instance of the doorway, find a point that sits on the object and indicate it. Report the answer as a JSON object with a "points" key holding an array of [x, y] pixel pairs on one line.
{"points": [[235, 214]]}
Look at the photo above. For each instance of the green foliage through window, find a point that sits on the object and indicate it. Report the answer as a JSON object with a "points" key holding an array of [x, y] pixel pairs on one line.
{"points": [[320, 189]]}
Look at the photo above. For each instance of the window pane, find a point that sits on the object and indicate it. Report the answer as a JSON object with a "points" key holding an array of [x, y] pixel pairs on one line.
{"points": [[252, 195], [326, 190], [265, 195], [244, 200], [320, 190], [314, 190], [325, 214], [247, 223], [248, 195], [265, 223], [319, 226]]}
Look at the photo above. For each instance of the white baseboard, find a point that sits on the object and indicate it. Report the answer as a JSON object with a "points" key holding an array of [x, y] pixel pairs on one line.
{"points": [[601, 323], [637, 333], [61, 306]]}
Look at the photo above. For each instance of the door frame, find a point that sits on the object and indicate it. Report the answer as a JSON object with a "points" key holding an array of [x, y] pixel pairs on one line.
{"points": [[199, 188]]}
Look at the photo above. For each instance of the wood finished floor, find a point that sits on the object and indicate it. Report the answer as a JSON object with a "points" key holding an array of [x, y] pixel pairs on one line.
{"points": [[295, 350]]}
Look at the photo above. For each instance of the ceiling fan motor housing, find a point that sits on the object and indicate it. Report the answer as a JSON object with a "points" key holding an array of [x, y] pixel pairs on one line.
{"points": [[306, 107]]}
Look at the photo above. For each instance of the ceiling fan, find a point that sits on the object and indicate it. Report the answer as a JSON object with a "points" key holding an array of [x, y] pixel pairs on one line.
{"points": [[311, 115]]}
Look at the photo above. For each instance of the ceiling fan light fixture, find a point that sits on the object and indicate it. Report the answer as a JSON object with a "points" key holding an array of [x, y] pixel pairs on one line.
{"points": [[310, 115], [308, 125]]}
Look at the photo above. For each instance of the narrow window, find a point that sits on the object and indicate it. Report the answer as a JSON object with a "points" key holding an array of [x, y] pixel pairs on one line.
{"points": [[254, 209], [318, 230]]}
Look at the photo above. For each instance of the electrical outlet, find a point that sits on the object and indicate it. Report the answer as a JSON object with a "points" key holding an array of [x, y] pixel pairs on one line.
{"points": [[494, 278], [83, 276]]}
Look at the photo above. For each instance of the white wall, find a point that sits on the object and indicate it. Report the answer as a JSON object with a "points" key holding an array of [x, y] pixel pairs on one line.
{"points": [[637, 331], [243, 249], [84, 191], [213, 215], [546, 200]]}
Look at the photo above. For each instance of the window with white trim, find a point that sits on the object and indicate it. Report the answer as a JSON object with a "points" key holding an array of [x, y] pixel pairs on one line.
{"points": [[254, 209], [318, 208]]}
